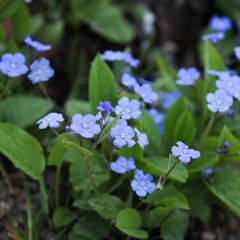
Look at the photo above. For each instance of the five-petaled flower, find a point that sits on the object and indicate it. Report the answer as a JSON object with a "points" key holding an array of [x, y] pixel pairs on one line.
{"points": [[51, 120], [122, 134], [217, 23], [187, 76], [41, 71], [122, 165], [128, 80], [105, 107], [39, 47], [146, 93], [142, 183], [128, 108], [13, 65], [184, 153], [219, 101], [142, 138], [85, 125]]}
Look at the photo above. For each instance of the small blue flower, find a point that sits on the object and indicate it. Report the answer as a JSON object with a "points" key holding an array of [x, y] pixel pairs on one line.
{"points": [[85, 125], [187, 76], [143, 183], [142, 138], [51, 120], [220, 23], [41, 71], [227, 144], [112, 56], [229, 83], [207, 172], [169, 98], [13, 65], [146, 93], [237, 52], [36, 45], [122, 165], [219, 101], [215, 73], [128, 80], [213, 37], [122, 134], [184, 153], [158, 118], [128, 108], [105, 107]]}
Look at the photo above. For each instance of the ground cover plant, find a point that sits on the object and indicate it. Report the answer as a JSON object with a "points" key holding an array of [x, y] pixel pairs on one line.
{"points": [[108, 140]]}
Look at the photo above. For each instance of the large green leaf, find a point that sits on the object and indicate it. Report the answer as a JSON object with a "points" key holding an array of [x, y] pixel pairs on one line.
{"points": [[8, 8], [106, 205], [73, 106], [175, 226], [158, 166], [129, 222], [22, 149], [23, 110], [225, 185], [102, 84]]}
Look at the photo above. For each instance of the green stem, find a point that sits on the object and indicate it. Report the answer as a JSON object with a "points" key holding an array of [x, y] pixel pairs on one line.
{"points": [[206, 130], [5, 176], [57, 185], [29, 213]]}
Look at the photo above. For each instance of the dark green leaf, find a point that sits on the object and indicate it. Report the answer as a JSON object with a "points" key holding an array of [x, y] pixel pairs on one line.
{"points": [[62, 217]]}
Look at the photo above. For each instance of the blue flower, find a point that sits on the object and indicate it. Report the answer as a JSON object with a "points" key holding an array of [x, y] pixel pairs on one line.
{"points": [[36, 45], [128, 108], [105, 107], [51, 120], [215, 73], [113, 56], [128, 80], [187, 76], [142, 138], [219, 101], [122, 165], [207, 172], [227, 144], [237, 52], [85, 125], [169, 98], [143, 183], [220, 23], [229, 83], [146, 93], [184, 153], [213, 37], [122, 134], [13, 65], [158, 118], [41, 71]]}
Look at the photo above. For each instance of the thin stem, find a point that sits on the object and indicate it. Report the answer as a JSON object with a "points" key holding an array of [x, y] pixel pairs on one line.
{"points": [[207, 130], [29, 213], [90, 173], [5, 176], [57, 185]]}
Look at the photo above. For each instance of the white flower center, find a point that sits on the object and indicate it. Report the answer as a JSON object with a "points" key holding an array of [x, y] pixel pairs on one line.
{"points": [[127, 110], [39, 71], [219, 102], [122, 135], [13, 65], [185, 151], [229, 84], [142, 183], [85, 125]]}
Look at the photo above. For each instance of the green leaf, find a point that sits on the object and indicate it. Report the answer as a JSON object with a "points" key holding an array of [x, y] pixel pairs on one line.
{"points": [[149, 127], [184, 129], [206, 159], [21, 23], [129, 222], [158, 166], [102, 84], [62, 217], [43, 196], [233, 151], [23, 110], [8, 8], [22, 149], [168, 192], [76, 147], [79, 176], [225, 185], [172, 116], [107, 206], [73, 106], [91, 227], [175, 226]]}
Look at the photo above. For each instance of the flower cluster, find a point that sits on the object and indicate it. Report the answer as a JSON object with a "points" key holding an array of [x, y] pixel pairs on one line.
{"points": [[213, 37], [13, 65]]}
